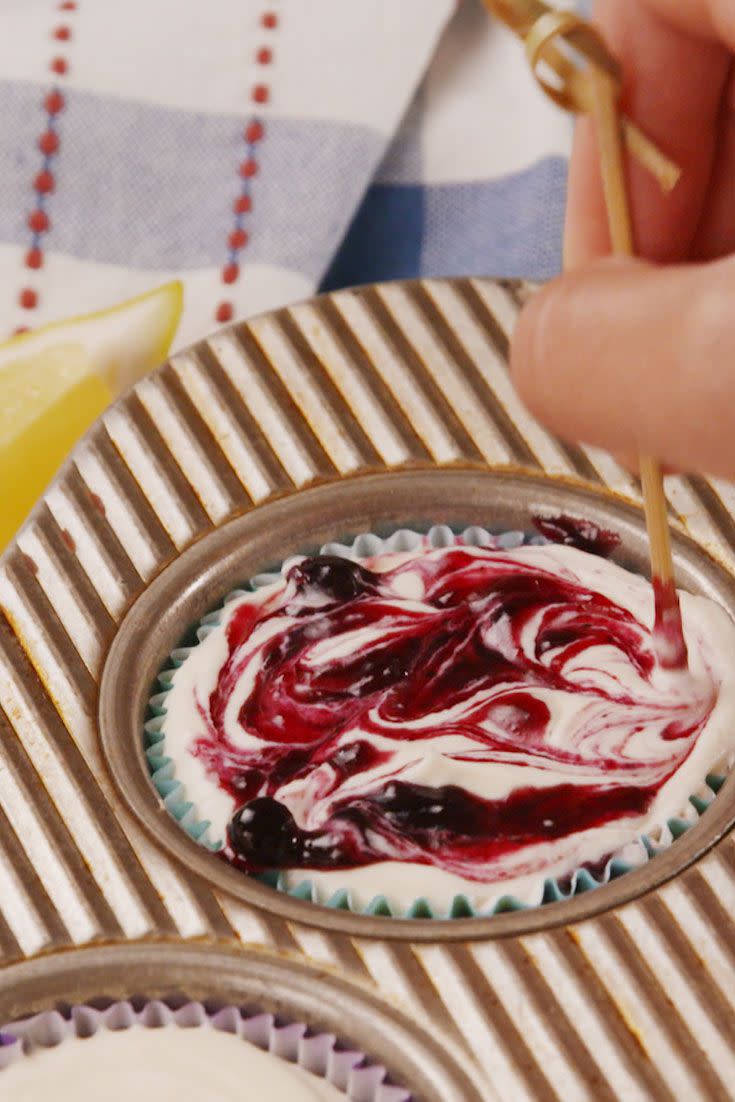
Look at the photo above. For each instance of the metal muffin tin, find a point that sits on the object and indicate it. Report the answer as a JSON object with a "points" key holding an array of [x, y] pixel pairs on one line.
{"points": [[369, 407], [290, 990], [241, 548]]}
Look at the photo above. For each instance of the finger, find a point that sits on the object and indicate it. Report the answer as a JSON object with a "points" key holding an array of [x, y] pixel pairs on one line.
{"points": [[710, 19], [635, 359], [672, 87], [632, 464], [716, 232]]}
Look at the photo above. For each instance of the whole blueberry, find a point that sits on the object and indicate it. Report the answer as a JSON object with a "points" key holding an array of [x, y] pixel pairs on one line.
{"points": [[263, 833]]}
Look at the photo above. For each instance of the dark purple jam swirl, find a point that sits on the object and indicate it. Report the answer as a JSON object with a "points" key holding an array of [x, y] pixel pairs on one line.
{"points": [[374, 693], [578, 532]]}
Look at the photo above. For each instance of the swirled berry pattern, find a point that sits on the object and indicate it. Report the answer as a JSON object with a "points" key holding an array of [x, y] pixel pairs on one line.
{"points": [[493, 716]]}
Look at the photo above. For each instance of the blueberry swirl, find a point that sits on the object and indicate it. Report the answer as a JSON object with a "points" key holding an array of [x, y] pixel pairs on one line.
{"points": [[485, 716]]}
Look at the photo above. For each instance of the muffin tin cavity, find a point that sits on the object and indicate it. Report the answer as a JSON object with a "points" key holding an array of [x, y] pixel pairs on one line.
{"points": [[253, 545], [350, 1043]]}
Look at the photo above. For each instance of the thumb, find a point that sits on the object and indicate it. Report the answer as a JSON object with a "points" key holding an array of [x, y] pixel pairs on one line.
{"points": [[635, 359]]}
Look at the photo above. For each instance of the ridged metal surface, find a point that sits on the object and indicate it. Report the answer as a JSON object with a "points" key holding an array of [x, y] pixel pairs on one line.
{"points": [[635, 1004], [382, 1045]]}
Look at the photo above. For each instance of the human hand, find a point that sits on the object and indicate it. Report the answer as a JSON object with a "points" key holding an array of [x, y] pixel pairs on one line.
{"points": [[636, 356]]}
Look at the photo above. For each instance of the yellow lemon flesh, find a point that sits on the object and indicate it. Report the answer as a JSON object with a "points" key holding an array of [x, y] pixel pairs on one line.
{"points": [[56, 381]]}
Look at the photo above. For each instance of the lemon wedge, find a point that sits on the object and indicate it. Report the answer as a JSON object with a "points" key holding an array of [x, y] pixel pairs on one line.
{"points": [[55, 381]]}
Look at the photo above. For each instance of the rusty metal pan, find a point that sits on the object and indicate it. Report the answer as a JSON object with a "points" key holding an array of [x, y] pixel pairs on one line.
{"points": [[379, 405]]}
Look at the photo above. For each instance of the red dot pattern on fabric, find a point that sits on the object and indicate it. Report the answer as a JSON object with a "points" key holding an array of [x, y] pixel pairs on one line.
{"points": [[243, 204], [54, 102], [44, 182], [38, 221], [237, 239], [48, 143], [28, 298], [253, 133]]}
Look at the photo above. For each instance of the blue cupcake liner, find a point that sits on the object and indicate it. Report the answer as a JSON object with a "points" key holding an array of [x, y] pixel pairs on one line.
{"points": [[173, 796]]}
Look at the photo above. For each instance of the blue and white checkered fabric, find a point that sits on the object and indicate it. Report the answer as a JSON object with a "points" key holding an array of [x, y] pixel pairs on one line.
{"points": [[260, 149]]}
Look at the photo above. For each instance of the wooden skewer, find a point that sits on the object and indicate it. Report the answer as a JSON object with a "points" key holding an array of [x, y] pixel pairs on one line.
{"points": [[668, 635], [594, 89], [540, 26]]}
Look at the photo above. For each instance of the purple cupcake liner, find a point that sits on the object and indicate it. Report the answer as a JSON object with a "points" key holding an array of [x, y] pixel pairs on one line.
{"points": [[345, 1068]]}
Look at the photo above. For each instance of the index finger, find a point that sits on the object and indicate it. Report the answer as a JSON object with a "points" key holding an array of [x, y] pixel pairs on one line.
{"points": [[674, 73]]}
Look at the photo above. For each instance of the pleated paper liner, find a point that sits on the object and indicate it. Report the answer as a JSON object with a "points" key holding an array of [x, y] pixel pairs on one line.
{"points": [[550, 890], [320, 1056]]}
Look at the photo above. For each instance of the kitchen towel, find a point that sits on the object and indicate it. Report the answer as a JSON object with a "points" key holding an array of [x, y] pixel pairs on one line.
{"points": [[263, 149]]}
